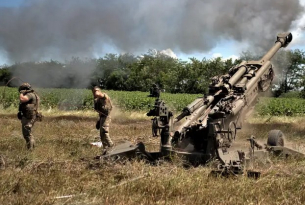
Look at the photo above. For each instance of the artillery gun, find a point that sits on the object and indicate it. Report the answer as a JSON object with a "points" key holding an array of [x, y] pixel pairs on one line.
{"points": [[212, 121]]}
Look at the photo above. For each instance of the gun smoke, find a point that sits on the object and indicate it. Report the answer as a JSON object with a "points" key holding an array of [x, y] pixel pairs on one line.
{"points": [[54, 29]]}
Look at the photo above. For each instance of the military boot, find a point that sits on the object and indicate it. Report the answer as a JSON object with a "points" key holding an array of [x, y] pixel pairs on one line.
{"points": [[107, 145], [104, 151], [108, 140], [30, 143]]}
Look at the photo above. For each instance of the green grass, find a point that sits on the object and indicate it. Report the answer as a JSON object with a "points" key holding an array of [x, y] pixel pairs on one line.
{"points": [[281, 106], [81, 99]]}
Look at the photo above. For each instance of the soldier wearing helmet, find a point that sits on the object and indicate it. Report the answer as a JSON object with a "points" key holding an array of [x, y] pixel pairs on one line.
{"points": [[103, 105], [28, 110], [154, 91]]}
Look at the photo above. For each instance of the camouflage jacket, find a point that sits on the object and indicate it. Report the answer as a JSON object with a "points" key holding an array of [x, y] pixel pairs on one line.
{"points": [[103, 105], [30, 107]]}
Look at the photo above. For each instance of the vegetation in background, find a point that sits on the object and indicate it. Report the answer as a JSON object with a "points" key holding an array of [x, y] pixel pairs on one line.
{"points": [[121, 72], [81, 99], [127, 72]]}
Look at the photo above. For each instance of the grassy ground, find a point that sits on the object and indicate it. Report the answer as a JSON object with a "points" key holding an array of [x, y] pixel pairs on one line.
{"points": [[61, 170]]}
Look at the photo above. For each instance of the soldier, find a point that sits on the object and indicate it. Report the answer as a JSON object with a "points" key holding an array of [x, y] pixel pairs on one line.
{"points": [[103, 105], [154, 91], [28, 112]]}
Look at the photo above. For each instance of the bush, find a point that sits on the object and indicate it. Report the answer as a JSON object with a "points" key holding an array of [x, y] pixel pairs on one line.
{"points": [[281, 106]]}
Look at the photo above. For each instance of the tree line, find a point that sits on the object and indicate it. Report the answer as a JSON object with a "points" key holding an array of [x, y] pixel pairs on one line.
{"points": [[137, 73]]}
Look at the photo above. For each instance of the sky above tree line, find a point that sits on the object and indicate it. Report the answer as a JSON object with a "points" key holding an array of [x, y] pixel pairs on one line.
{"points": [[35, 30]]}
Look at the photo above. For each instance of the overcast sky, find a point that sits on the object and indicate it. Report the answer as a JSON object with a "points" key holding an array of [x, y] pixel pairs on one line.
{"points": [[33, 30]]}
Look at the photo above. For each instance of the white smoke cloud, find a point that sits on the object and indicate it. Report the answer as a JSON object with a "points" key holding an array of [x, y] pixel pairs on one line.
{"points": [[217, 55], [3, 57], [298, 31], [169, 53], [56, 29]]}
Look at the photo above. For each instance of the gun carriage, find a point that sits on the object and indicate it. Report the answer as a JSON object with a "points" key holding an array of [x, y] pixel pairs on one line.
{"points": [[211, 122]]}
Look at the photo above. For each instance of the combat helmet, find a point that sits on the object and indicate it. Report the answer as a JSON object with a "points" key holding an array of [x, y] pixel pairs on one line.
{"points": [[96, 88], [24, 86]]}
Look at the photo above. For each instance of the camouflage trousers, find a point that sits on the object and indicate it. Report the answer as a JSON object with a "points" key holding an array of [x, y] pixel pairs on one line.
{"points": [[104, 131], [27, 125]]}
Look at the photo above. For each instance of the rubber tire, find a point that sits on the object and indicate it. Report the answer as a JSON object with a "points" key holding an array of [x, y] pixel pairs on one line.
{"points": [[276, 138]]}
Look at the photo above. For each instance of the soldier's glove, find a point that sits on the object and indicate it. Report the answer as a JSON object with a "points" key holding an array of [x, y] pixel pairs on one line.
{"points": [[19, 115], [98, 125]]}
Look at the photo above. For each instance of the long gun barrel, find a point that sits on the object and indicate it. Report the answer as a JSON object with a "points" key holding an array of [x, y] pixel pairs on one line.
{"points": [[260, 69], [195, 114], [283, 39], [238, 87], [188, 110]]}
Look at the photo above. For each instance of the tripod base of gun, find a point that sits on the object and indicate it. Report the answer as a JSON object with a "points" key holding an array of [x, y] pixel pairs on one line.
{"points": [[127, 150], [228, 162]]}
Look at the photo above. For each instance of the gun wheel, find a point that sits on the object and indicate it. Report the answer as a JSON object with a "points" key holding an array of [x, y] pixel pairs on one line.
{"points": [[275, 138]]}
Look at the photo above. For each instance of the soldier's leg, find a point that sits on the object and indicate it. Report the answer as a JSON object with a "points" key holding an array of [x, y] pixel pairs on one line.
{"points": [[27, 125], [104, 132]]}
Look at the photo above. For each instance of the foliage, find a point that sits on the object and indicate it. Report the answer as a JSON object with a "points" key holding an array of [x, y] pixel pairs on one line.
{"points": [[137, 73], [291, 94], [5, 75], [281, 106], [121, 72], [82, 99], [289, 69]]}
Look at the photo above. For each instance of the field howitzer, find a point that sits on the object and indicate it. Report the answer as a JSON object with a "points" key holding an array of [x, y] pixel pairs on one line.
{"points": [[211, 121]]}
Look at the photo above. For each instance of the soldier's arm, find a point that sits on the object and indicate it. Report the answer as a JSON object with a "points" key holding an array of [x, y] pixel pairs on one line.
{"points": [[24, 98], [106, 96], [103, 95]]}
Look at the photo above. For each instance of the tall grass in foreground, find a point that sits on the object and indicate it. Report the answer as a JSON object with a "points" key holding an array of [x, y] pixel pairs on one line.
{"points": [[61, 170]]}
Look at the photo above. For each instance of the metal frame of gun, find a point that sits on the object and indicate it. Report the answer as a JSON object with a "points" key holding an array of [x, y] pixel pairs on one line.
{"points": [[211, 122]]}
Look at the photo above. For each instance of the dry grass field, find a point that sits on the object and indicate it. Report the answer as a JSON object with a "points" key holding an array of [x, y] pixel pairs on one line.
{"points": [[62, 168]]}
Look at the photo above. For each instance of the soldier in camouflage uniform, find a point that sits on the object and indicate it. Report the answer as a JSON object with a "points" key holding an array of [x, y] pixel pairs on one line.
{"points": [[28, 109], [103, 105]]}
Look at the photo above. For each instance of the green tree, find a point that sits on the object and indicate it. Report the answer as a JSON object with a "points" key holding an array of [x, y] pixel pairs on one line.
{"points": [[5, 75], [289, 70]]}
